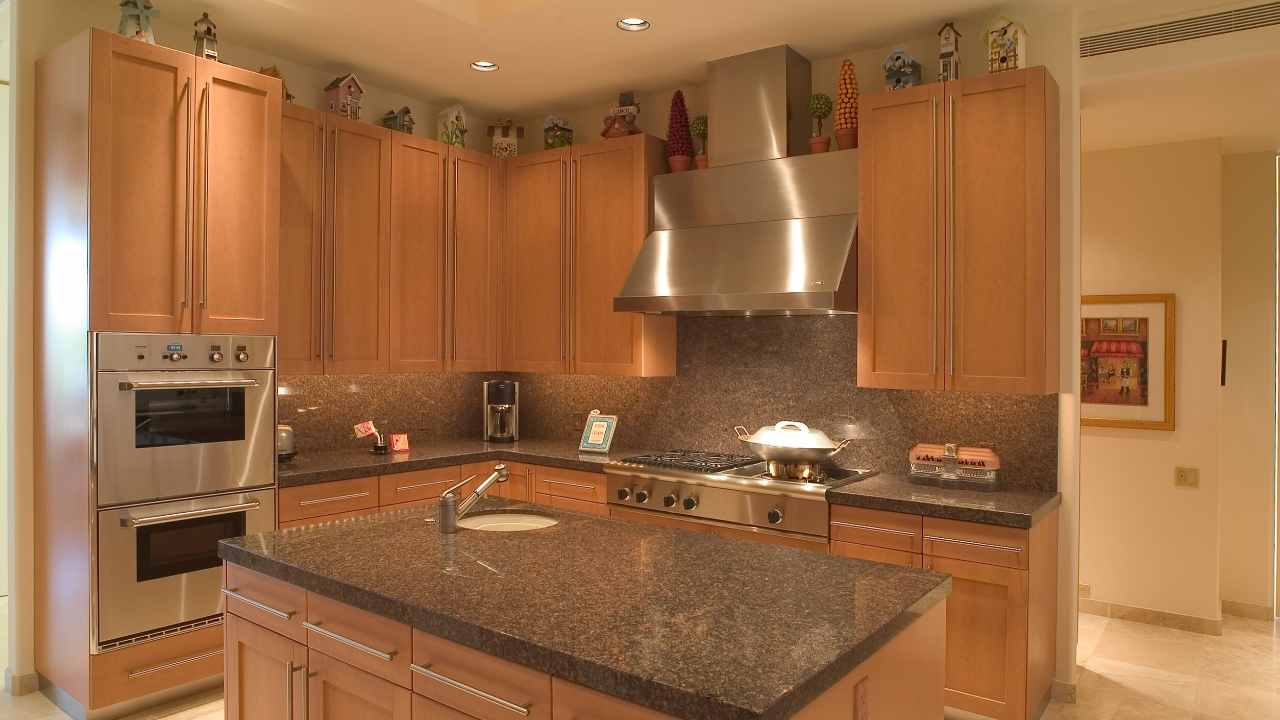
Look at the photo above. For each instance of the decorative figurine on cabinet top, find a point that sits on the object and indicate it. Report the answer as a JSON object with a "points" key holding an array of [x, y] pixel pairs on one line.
{"points": [[344, 95], [1006, 47], [948, 53], [679, 139], [206, 37], [135, 20], [847, 107], [556, 133], [506, 144], [401, 120], [901, 70], [451, 126], [621, 121], [273, 71]]}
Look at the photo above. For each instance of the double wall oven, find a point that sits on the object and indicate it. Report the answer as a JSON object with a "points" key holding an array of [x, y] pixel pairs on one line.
{"points": [[183, 454]]}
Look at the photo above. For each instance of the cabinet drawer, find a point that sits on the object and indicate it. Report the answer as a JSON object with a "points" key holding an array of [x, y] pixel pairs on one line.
{"points": [[268, 602], [424, 709], [569, 484], [876, 554], [158, 665], [878, 528], [416, 485], [574, 702], [972, 542], [515, 488], [587, 507], [308, 501], [358, 638], [478, 684]]}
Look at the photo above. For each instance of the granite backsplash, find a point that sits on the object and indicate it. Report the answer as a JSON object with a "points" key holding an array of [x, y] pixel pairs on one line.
{"points": [[731, 371]]}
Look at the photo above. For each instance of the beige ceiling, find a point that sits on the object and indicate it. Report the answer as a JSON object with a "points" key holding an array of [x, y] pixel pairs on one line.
{"points": [[552, 52]]}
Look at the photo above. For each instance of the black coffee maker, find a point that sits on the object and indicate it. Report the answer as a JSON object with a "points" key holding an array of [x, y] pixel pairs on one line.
{"points": [[501, 411]]}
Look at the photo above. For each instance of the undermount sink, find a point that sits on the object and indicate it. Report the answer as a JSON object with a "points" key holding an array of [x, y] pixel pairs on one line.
{"points": [[506, 522]]}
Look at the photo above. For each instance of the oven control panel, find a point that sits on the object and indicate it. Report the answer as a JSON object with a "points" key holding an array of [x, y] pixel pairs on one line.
{"points": [[148, 351]]}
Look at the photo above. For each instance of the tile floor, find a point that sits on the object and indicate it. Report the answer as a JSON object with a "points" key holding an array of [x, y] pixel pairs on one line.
{"points": [[1128, 671]]}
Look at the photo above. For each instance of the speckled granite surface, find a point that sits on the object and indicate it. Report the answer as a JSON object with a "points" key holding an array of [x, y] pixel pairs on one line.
{"points": [[685, 623], [1017, 508]]}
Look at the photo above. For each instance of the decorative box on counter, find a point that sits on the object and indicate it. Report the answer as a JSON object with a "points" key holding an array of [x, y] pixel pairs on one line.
{"points": [[980, 466]]}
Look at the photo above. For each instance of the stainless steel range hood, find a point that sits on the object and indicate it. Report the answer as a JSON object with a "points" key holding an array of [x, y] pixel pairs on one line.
{"points": [[767, 229]]}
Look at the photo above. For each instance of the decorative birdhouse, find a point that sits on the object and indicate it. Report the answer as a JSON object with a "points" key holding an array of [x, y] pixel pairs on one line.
{"points": [[344, 95], [135, 20], [1006, 47], [948, 53], [506, 139], [451, 126], [621, 120], [206, 38], [901, 70], [401, 120], [273, 71], [556, 133]]}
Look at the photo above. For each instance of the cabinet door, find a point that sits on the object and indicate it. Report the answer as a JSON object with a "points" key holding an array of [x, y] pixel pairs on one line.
{"points": [[417, 269], [986, 638], [1003, 244], [265, 673], [476, 208], [140, 213], [337, 691], [298, 344], [536, 264], [358, 247], [238, 179], [900, 240], [611, 217]]}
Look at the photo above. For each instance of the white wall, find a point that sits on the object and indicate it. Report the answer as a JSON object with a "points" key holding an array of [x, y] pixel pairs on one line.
{"points": [[1151, 221], [1248, 429]]}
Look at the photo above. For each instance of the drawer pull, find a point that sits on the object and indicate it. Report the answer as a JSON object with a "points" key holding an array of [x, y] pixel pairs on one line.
{"points": [[570, 484], [385, 656], [135, 674], [285, 615], [872, 528], [427, 672], [336, 498], [974, 543], [406, 488]]}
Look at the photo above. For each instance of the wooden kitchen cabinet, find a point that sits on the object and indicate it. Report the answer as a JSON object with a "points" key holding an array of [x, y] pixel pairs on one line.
{"points": [[265, 673], [958, 238], [299, 343], [416, 273], [337, 691], [536, 263], [476, 204]]}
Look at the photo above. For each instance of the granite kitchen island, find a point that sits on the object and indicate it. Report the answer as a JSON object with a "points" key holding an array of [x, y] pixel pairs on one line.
{"points": [[383, 616]]}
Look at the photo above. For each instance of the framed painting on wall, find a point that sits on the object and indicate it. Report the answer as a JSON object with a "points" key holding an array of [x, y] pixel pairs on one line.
{"points": [[1127, 361]]}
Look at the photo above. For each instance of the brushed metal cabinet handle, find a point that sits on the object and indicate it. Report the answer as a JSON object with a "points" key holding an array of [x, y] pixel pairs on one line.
{"points": [[570, 484], [383, 655], [335, 498], [933, 261], [973, 543], [951, 229], [187, 199], [189, 514], [204, 215], [872, 528], [143, 672], [427, 672], [282, 614]]}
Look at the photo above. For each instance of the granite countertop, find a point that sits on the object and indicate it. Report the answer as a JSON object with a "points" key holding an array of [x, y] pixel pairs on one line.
{"points": [[685, 623], [1016, 508]]}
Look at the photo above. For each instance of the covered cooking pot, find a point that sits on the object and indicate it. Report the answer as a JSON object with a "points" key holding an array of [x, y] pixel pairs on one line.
{"points": [[790, 442]]}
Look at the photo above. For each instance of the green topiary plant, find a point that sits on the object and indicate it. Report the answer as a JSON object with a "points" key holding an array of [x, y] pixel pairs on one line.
{"points": [[699, 129], [820, 107]]}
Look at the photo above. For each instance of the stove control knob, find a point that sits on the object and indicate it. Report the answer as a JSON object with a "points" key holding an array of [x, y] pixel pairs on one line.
{"points": [[176, 357], [624, 493], [216, 356], [669, 500], [775, 516], [242, 356], [642, 496], [690, 502]]}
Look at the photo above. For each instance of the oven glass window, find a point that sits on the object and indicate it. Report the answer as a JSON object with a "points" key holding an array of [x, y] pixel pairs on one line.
{"points": [[188, 416], [184, 546]]}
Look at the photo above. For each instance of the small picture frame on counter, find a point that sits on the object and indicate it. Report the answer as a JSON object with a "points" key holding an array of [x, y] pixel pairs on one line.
{"points": [[597, 435], [399, 442]]}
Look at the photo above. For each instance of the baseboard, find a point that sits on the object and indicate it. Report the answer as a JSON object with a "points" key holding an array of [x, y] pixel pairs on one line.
{"points": [[1064, 692], [1188, 623], [1248, 610], [20, 684], [76, 711]]}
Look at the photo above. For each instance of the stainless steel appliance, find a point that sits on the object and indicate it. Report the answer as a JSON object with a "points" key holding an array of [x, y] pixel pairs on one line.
{"points": [[285, 446], [768, 229], [728, 489], [501, 411]]}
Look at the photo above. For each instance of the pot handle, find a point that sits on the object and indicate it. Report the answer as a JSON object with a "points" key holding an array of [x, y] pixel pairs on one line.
{"points": [[791, 425], [842, 445], [742, 433]]}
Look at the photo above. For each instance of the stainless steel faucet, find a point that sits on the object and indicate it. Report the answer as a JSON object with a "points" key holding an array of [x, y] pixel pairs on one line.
{"points": [[452, 510]]}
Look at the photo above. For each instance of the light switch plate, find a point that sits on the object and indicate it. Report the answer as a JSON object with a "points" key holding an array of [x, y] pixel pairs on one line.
{"points": [[1186, 477]]}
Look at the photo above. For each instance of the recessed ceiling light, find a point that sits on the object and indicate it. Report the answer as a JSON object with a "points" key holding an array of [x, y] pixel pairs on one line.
{"points": [[633, 24], [484, 65]]}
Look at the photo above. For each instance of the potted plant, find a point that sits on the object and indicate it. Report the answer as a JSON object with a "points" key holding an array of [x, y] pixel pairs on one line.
{"points": [[820, 109], [679, 139], [699, 129], [847, 107]]}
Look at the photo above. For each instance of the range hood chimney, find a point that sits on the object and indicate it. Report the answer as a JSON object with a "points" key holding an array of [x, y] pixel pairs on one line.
{"points": [[765, 230]]}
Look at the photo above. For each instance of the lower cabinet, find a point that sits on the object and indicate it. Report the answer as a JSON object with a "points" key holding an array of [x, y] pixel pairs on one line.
{"points": [[265, 673], [337, 691], [876, 554], [572, 490]]}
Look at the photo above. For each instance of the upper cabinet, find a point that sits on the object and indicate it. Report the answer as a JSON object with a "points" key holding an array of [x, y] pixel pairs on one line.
{"points": [[476, 205], [958, 244], [299, 347], [176, 242], [536, 263], [416, 270]]}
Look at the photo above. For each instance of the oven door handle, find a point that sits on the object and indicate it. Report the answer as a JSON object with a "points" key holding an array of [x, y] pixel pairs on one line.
{"points": [[189, 514], [126, 385]]}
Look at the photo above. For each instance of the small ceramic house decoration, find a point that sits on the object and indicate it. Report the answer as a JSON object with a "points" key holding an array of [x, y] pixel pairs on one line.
{"points": [[901, 70], [1006, 47], [506, 139], [135, 20], [206, 37], [401, 120], [948, 53], [556, 133], [273, 71], [451, 126], [621, 121], [344, 95]]}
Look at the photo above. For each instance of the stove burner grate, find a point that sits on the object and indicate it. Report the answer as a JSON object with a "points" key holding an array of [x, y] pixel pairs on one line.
{"points": [[692, 460]]}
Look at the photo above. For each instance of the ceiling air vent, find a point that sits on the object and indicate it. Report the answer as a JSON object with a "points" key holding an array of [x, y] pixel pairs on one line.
{"points": [[1221, 23]]}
